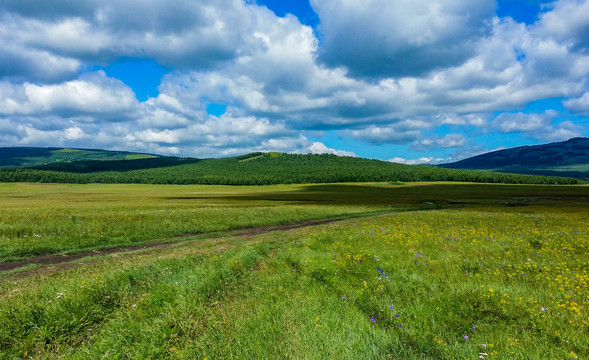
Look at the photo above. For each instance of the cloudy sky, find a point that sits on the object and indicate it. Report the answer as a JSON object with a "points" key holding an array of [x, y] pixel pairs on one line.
{"points": [[401, 80]]}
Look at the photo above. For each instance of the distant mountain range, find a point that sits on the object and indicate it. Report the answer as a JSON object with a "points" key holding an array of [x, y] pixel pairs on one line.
{"points": [[59, 165], [568, 158]]}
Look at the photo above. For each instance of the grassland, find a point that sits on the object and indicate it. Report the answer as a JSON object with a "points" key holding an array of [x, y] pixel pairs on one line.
{"points": [[450, 272], [52, 219]]}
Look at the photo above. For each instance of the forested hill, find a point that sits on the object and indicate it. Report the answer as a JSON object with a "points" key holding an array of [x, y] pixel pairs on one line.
{"points": [[17, 157], [256, 169], [567, 158]]}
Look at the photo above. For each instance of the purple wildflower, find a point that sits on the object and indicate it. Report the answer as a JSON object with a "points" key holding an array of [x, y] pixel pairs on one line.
{"points": [[465, 337], [372, 319]]}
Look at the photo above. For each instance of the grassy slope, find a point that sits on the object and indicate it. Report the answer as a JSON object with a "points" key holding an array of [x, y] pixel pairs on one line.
{"points": [[26, 157], [510, 281]]}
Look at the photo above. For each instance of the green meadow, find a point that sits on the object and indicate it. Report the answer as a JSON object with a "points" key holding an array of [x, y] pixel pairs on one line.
{"points": [[410, 271], [49, 219]]}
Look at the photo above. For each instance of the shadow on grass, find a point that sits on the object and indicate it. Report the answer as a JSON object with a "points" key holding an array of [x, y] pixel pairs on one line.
{"points": [[419, 196]]}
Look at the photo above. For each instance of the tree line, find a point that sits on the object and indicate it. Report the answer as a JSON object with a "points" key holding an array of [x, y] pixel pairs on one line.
{"points": [[259, 169]]}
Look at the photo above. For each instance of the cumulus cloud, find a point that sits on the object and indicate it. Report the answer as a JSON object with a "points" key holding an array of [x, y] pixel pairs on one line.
{"points": [[477, 120], [510, 68], [563, 131], [93, 93], [385, 38], [74, 133], [18, 63], [208, 135], [320, 148], [579, 105], [402, 132], [521, 122], [179, 34], [567, 21], [506, 70], [537, 126], [419, 161], [446, 141], [415, 67]]}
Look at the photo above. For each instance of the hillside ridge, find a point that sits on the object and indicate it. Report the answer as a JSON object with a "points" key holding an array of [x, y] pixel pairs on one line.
{"points": [[564, 158], [253, 169], [20, 157]]}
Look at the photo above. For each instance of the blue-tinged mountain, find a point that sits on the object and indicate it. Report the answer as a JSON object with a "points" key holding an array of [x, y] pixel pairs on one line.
{"points": [[568, 158]]}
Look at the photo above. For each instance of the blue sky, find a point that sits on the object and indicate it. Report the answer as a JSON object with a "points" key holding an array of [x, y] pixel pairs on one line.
{"points": [[412, 81]]}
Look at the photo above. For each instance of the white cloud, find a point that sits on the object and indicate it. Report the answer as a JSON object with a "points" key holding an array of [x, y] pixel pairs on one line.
{"points": [[521, 122], [415, 66], [434, 142], [579, 105], [208, 135], [18, 63], [31, 136], [451, 141], [387, 38], [69, 37], [320, 148], [73, 133], [563, 131], [467, 119], [314, 97], [537, 126], [419, 161], [393, 134], [93, 93], [179, 34], [567, 21], [151, 136], [511, 68]]}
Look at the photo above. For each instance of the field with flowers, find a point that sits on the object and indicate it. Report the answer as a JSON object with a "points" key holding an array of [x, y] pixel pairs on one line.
{"points": [[452, 271]]}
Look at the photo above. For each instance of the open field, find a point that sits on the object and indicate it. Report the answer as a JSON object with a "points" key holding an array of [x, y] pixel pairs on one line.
{"points": [[48, 219], [40, 219], [442, 271]]}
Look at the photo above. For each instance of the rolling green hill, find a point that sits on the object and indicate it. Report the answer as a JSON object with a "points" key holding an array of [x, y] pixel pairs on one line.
{"points": [[568, 158], [255, 169], [19, 157]]}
